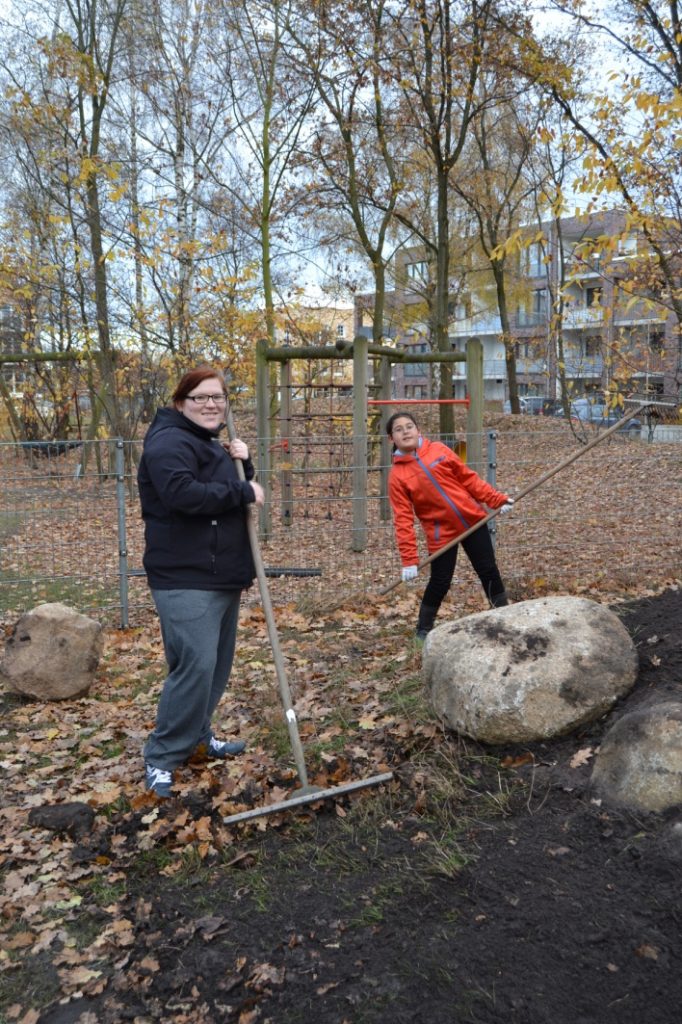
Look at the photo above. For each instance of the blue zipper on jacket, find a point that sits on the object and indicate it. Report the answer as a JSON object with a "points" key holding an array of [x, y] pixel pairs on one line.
{"points": [[442, 493]]}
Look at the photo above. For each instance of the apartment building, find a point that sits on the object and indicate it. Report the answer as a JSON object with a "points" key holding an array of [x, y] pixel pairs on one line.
{"points": [[572, 315], [11, 342], [322, 322]]}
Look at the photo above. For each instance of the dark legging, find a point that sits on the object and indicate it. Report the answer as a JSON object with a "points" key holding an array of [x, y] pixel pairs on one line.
{"points": [[481, 554]]}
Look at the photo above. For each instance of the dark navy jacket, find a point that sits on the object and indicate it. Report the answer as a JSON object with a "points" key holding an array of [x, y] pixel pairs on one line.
{"points": [[194, 507]]}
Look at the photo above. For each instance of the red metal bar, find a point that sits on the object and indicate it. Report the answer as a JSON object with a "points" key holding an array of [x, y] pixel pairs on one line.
{"points": [[419, 401]]}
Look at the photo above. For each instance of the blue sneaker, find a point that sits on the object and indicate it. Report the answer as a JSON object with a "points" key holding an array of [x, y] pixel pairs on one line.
{"points": [[220, 748], [158, 780]]}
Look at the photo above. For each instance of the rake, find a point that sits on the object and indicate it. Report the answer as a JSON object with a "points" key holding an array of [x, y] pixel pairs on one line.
{"points": [[306, 793]]}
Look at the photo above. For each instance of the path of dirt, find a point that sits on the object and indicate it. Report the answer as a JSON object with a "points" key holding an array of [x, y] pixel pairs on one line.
{"points": [[560, 910]]}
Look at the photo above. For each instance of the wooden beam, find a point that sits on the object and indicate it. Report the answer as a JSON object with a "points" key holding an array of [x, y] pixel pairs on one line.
{"points": [[45, 357]]}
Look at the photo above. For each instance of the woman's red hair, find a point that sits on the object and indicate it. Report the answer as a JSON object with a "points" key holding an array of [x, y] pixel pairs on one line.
{"points": [[192, 378]]}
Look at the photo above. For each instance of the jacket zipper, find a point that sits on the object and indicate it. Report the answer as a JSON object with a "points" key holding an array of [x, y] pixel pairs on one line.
{"points": [[442, 493], [214, 544]]}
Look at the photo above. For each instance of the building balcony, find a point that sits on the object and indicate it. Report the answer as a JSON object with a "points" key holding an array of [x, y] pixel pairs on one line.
{"points": [[575, 319], [530, 365], [475, 326], [524, 320], [583, 366], [493, 369]]}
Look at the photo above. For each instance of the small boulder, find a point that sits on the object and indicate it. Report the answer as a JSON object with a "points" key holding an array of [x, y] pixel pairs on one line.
{"points": [[530, 671], [639, 765], [52, 653]]}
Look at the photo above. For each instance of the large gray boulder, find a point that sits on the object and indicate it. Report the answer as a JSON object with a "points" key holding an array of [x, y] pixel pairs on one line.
{"points": [[529, 671], [52, 653], [639, 765]]}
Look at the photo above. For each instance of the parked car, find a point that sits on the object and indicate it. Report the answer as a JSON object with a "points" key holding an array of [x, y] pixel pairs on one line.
{"points": [[600, 415], [534, 404], [530, 405]]}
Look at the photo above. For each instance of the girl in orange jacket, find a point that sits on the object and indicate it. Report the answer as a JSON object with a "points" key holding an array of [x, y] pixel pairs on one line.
{"points": [[428, 480]]}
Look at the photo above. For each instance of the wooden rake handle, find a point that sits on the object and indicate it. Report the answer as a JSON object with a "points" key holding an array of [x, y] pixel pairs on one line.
{"points": [[282, 681]]}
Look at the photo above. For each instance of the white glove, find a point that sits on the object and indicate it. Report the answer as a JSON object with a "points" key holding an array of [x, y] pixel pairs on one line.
{"points": [[409, 573], [507, 507]]}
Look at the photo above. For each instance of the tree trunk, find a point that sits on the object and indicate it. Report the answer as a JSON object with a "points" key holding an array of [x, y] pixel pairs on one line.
{"points": [[109, 393], [507, 338], [440, 320]]}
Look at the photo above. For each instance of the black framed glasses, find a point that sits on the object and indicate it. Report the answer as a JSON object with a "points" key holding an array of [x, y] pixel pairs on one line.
{"points": [[203, 399]]}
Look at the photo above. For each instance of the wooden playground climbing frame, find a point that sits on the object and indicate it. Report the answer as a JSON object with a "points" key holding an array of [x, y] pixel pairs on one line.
{"points": [[360, 351]]}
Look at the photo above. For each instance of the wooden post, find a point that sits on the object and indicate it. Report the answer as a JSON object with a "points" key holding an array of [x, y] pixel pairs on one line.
{"points": [[285, 476], [359, 497], [263, 427], [385, 448], [475, 413]]}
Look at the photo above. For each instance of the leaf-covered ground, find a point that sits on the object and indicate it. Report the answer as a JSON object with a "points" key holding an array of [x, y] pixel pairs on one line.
{"points": [[479, 886]]}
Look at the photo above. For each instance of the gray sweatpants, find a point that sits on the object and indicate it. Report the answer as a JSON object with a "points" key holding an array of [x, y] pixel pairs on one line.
{"points": [[199, 629]]}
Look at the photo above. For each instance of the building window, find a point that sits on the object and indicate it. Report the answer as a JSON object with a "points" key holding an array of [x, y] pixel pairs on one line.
{"points": [[524, 350], [340, 330], [458, 311], [540, 301], [656, 341], [627, 246], [592, 297], [592, 346], [535, 260], [535, 312], [417, 271], [416, 369]]}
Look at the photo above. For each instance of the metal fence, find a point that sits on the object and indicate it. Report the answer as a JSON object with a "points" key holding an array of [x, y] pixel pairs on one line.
{"points": [[70, 525]]}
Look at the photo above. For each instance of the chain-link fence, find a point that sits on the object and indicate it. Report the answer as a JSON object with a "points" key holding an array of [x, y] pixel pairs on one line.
{"points": [[70, 525]]}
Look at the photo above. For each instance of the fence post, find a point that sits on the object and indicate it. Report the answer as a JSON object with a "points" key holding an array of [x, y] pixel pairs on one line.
{"points": [[475, 413], [492, 477], [263, 426], [285, 452], [359, 443], [385, 446], [119, 454]]}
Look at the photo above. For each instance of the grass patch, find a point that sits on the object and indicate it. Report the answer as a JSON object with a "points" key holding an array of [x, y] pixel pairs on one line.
{"points": [[260, 887], [18, 593], [408, 700], [276, 739], [103, 892], [33, 984], [445, 856], [375, 905], [9, 523]]}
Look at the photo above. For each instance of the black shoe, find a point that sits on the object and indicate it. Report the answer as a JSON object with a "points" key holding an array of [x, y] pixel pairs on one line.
{"points": [[499, 600]]}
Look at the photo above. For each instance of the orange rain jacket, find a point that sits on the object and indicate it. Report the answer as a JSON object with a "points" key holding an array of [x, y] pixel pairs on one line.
{"points": [[445, 495]]}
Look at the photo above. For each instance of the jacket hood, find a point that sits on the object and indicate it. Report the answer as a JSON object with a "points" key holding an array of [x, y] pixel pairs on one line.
{"points": [[170, 417], [398, 455]]}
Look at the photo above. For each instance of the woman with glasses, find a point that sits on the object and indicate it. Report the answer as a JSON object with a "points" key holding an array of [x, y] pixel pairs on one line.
{"points": [[198, 560]]}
